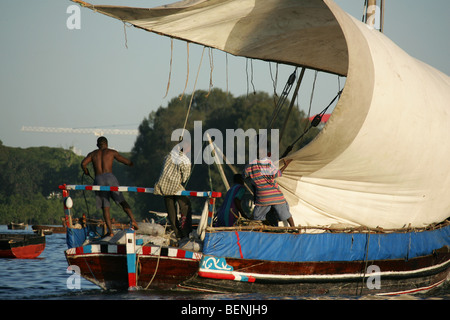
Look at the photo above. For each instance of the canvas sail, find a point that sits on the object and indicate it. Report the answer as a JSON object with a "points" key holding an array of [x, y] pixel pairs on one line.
{"points": [[382, 158]]}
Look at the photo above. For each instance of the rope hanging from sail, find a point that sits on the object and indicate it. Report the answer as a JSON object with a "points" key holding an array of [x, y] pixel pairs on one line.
{"points": [[170, 69], [226, 64], [125, 33], [211, 66], [192, 95], [274, 81], [251, 75], [187, 72]]}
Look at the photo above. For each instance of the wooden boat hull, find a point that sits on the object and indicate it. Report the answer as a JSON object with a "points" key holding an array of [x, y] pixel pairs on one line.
{"points": [[63, 229], [21, 246], [157, 268], [397, 276]]}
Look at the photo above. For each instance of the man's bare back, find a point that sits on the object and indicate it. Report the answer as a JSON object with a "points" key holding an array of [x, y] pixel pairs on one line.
{"points": [[102, 160]]}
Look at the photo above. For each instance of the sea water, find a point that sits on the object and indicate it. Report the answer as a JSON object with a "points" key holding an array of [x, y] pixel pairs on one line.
{"points": [[47, 278]]}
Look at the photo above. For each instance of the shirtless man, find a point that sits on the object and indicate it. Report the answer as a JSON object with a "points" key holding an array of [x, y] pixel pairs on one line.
{"points": [[102, 160]]}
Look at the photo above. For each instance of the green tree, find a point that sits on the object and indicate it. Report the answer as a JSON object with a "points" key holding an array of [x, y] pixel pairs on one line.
{"points": [[29, 180]]}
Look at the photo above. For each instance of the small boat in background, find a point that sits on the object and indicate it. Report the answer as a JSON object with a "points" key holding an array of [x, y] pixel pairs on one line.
{"points": [[43, 231], [48, 229], [21, 245], [17, 226]]}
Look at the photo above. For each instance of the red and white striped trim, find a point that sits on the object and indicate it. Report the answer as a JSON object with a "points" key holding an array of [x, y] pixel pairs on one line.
{"points": [[107, 249], [209, 194], [412, 291]]}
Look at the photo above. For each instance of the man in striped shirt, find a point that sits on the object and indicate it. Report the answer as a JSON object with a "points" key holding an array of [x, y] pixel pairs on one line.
{"points": [[263, 173]]}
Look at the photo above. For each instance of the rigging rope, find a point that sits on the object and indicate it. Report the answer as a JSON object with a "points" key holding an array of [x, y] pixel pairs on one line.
{"points": [[192, 96], [170, 70], [187, 75], [284, 94], [157, 262], [84, 194], [85, 199], [251, 78], [314, 123], [310, 102], [246, 73], [364, 16], [226, 63], [294, 97], [366, 260], [211, 65], [274, 81], [312, 94], [251, 75], [125, 34]]}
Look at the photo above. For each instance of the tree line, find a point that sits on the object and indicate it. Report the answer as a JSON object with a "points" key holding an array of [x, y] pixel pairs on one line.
{"points": [[29, 178]]}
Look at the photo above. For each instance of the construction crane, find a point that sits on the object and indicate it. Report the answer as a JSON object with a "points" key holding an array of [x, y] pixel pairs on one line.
{"points": [[96, 131]]}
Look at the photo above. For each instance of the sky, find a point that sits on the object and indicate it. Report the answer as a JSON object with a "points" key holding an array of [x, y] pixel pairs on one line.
{"points": [[100, 76]]}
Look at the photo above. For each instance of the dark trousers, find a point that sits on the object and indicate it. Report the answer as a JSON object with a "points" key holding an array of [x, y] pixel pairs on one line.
{"points": [[183, 226]]}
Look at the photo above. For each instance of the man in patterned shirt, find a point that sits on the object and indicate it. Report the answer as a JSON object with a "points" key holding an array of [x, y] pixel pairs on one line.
{"points": [[263, 173], [176, 170]]}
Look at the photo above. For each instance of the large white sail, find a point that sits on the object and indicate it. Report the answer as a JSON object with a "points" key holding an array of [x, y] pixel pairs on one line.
{"points": [[271, 30], [382, 158]]}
